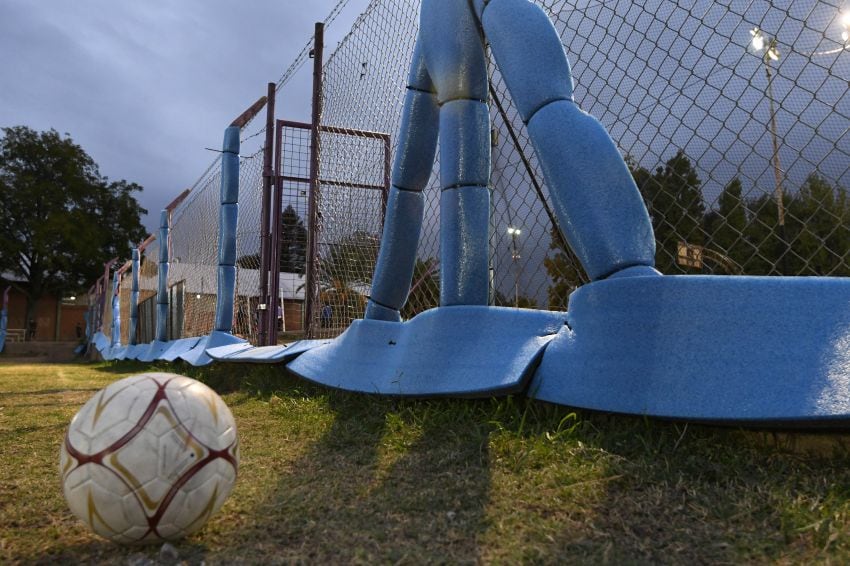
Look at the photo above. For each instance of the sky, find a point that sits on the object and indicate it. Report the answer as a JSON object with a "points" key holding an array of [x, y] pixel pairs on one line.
{"points": [[145, 87]]}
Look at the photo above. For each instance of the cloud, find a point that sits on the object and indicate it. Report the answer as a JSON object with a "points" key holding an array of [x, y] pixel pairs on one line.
{"points": [[144, 87]]}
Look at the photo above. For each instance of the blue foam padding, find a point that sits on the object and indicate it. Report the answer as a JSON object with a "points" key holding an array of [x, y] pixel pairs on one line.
{"points": [[464, 246], [397, 256], [100, 341], [134, 272], [418, 76], [375, 311], [463, 351], [228, 221], [177, 347], [222, 352], [245, 353], [739, 349], [478, 6], [163, 236], [161, 322], [162, 285], [417, 141], [119, 352], [153, 351], [229, 178], [464, 143], [197, 356], [224, 299], [593, 193], [134, 301], [116, 311], [529, 53], [133, 352], [231, 140], [452, 48]]}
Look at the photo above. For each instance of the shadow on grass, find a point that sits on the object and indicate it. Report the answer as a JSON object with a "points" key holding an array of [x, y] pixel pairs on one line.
{"points": [[381, 485], [413, 481], [668, 492]]}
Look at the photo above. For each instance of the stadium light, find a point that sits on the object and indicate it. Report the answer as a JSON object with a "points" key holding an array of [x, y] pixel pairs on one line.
{"points": [[845, 23], [758, 39], [759, 42], [771, 53]]}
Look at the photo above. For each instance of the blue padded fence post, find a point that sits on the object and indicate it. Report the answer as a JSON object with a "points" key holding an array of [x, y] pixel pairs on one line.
{"points": [[405, 206], [594, 196], [228, 220], [162, 281], [134, 299], [116, 310], [454, 56]]}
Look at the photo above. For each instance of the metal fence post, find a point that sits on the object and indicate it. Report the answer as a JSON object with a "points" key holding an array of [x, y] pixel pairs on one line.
{"points": [[311, 279], [268, 175], [274, 246]]}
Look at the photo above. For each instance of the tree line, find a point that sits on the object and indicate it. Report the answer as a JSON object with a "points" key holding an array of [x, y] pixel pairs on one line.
{"points": [[740, 235], [60, 218]]}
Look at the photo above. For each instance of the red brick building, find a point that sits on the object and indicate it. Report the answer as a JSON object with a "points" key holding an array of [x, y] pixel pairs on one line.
{"points": [[56, 318]]}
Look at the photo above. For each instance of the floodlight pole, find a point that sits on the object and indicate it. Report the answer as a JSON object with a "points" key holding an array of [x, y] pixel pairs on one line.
{"points": [[777, 167]]}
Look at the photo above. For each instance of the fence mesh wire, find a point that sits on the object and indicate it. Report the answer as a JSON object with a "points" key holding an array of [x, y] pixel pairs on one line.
{"points": [[124, 292], [687, 98], [741, 155], [148, 277]]}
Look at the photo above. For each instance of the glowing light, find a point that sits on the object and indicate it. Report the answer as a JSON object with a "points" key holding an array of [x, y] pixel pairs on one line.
{"points": [[845, 20], [514, 231], [773, 53], [758, 39]]}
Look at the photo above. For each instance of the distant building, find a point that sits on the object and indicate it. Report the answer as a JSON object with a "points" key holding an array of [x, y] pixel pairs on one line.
{"points": [[192, 299], [56, 318]]}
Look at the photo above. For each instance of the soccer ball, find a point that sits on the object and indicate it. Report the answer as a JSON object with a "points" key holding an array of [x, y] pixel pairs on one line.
{"points": [[149, 457]]}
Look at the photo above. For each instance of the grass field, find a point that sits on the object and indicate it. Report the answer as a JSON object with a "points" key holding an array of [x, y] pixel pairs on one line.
{"points": [[329, 477]]}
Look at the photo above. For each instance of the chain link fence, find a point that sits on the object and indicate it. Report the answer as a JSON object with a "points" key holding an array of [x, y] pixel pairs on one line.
{"points": [[733, 118]]}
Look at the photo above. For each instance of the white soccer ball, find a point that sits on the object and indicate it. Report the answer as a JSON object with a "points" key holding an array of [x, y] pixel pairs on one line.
{"points": [[149, 457]]}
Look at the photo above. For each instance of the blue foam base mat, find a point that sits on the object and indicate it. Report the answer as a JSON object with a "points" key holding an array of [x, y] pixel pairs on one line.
{"points": [[177, 347], [241, 353], [197, 355], [463, 351], [739, 349]]}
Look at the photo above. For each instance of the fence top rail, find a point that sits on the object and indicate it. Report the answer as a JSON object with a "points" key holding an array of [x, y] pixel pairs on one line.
{"points": [[123, 269], [335, 130], [146, 242]]}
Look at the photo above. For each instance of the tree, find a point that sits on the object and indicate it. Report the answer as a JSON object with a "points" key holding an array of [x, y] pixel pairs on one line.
{"points": [[726, 228], [674, 200], [565, 271], [502, 300], [818, 229], [60, 219], [346, 273], [293, 245]]}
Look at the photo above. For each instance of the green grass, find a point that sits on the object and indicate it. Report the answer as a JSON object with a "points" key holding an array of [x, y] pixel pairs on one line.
{"points": [[330, 477]]}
